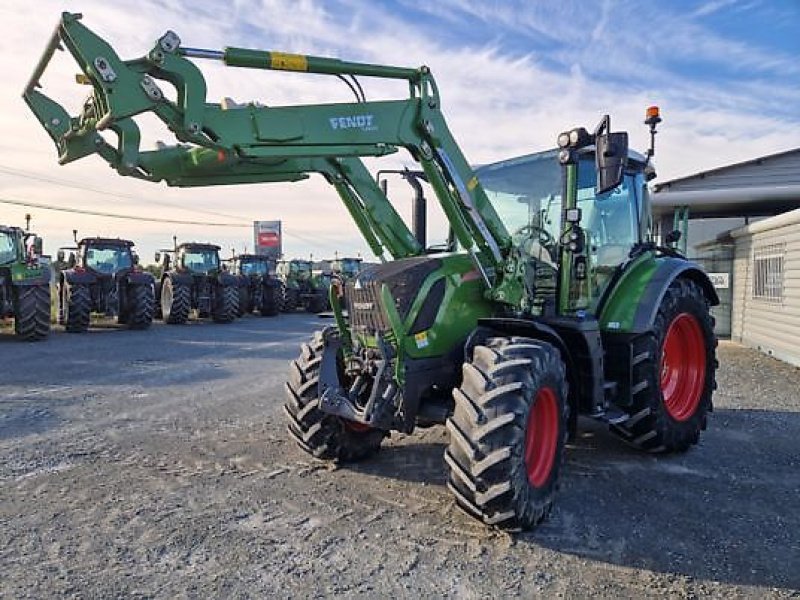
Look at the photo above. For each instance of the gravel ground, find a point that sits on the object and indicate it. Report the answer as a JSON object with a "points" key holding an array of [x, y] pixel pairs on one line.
{"points": [[156, 464]]}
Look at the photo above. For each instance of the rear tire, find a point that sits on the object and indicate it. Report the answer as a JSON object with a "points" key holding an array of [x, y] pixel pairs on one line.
{"points": [[317, 304], [291, 299], [226, 304], [508, 431], [175, 302], [673, 374], [32, 312], [322, 435], [141, 301], [77, 307]]}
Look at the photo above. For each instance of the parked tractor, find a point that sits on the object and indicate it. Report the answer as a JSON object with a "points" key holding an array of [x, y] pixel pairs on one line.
{"points": [[346, 268], [193, 279], [102, 275], [302, 288], [259, 289], [554, 298], [24, 283]]}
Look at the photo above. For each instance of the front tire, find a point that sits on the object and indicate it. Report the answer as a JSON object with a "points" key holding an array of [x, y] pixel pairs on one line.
{"points": [[175, 302], [141, 301], [508, 432], [76, 303], [32, 312], [244, 307], [226, 304], [673, 374], [322, 435], [270, 300]]}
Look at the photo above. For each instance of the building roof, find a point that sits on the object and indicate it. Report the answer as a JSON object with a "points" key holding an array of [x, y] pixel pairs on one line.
{"points": [[763, 186]]}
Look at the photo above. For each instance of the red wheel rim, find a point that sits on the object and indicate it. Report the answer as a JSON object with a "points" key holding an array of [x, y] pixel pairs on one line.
{"points": [[541, 437], [683, 367]]}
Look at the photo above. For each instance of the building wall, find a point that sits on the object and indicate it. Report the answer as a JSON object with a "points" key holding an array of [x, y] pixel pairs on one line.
{"points": [[770, 325]]}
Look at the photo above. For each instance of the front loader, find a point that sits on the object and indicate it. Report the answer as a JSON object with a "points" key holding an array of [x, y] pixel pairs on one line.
{"points": [[102, 275], [193, 279], [24, 283], [553, 299]]}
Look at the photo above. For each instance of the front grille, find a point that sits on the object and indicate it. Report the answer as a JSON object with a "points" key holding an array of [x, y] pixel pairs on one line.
{"points": [[364, 307]]}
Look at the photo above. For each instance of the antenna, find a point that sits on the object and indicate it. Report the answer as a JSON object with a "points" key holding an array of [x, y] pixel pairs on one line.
{"points": [[75, 235], [27, 221]]}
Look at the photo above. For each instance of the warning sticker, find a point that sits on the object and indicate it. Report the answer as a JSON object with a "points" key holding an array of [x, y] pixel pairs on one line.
{"points": [[421, 339], [288, 62]]}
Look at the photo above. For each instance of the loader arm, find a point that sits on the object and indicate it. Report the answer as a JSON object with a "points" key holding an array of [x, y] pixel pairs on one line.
{"points": [[229, 144]]}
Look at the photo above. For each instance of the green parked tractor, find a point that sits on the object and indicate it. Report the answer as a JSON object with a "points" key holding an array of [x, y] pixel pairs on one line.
{"points": [[302, 288], [554, 298], [193, 278], [259, 289], [24, 283]]}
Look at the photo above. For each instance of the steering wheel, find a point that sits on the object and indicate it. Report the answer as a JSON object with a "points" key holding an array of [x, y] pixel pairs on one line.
{"points": [[535, 233]]}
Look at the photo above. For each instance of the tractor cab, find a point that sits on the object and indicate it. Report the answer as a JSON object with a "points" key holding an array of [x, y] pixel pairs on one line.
{"points": [[527, 193], [198, 259], [254, 264], [346, 268], [296, 269], [8, 245], [106, 256]]}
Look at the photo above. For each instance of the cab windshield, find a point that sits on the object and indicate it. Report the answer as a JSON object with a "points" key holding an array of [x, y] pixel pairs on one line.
{"points": [[526, 193], [254, 267], [7, 251], [108, 259], [200, 261], [301, 269]]}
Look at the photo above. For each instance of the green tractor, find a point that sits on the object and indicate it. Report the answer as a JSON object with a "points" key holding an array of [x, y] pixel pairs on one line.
{"points": [[553, 299], [102, 275], [259, 289], [302, 288], [193, 278], [24, 283]]}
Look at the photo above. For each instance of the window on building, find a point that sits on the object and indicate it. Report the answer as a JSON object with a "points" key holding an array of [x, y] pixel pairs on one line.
{"points": [[768, 272]]}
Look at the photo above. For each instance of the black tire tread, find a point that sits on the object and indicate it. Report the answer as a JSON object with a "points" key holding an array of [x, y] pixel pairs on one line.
{"points": [[141, 300], [32, 312], [79, 308], [649, 427], [181, 303], [322, 435], [485, 454]]}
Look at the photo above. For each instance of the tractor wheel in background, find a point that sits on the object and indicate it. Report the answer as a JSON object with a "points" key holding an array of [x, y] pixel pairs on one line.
{"points": [[141, 301], [317, 304], [320, 434], [270, 300], [76, 306], [175, 302], [226, 304], [32, 312], [291, 299], [673, 374], [243, 306], [508, 431]]}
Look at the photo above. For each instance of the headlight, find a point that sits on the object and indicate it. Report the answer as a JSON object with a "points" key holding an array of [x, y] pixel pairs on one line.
{"points": [[563, 140]]}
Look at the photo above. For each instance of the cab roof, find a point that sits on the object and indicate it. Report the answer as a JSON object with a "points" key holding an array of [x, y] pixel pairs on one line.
{"points": [[198, 246], [106, 242]]}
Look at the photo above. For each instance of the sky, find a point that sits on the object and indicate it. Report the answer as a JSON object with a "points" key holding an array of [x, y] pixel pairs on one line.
{"points": [[511, 74]]}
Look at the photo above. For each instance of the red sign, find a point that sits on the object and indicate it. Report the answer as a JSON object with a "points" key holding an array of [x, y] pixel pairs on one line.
{"points": [[269, 239]]}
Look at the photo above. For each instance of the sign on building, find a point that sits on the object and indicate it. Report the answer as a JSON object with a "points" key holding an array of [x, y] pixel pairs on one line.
{"points": [[267, 237]]}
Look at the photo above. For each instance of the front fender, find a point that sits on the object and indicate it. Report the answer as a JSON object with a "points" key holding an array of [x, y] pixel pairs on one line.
{"points": [[140, 278], [633, 303], [226, 279], [179, 278], [75, 277]]}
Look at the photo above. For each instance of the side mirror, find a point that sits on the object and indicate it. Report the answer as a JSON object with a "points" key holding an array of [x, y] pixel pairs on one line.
{"points": [[611, 154], [135, 258], [158, 257], [38, 246], [71, 261], [60, 256], [166, 262]]}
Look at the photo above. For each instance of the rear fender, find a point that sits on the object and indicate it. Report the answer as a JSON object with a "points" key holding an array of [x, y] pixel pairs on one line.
{"points": [[226, 279], [179, 278], [632, 305]]}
